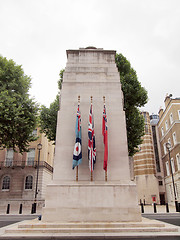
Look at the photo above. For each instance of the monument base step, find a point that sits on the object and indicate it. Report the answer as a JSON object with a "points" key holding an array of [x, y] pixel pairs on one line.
{"points": [[35, 228], [90, 230]]}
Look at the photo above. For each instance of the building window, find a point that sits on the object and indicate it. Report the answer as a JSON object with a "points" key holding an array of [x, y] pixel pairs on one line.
{"points": [[172, 164], [156, 149], [146, 129], [170, 191], [169, 141], [160, 183], [167, 168], [6, 183], [9, 157], [171, 118], [34, 133], [178, 161], [179, 114], [166, 124], [29, 182], [162, 131], [174, 138], [165, 149], [31, 157], [145, 117]]}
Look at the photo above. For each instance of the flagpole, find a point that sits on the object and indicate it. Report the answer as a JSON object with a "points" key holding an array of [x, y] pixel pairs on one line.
{"points": [[106, 175], [91, 176], [106, 169], [91, 151], [77, 174]]}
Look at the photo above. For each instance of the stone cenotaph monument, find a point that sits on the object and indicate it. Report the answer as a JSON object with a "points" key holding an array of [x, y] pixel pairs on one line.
{"points": [[91, 74], [98, 205]]}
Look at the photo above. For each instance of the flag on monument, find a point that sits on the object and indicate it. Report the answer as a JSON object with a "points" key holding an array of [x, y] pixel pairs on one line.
{"points": [[91, 141], [105, 136], [77, 155]]}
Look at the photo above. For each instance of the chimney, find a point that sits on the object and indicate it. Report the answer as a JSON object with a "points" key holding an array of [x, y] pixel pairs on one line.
{"points": [[167, 99], [160, 112]]}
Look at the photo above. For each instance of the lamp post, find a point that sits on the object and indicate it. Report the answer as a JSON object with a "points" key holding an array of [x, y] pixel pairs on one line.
{"points": [[39, 147], [168, 146]]}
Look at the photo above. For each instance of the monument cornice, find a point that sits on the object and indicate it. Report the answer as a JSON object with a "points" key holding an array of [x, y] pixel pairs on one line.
{"points": [[97, 50]]}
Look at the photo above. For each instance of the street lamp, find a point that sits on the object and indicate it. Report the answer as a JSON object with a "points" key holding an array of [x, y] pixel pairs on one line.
{"points": [[39, 147], [168, 146]]}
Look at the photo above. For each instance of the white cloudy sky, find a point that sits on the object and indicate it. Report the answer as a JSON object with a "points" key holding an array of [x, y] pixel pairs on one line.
{"points": [[37, 33]]}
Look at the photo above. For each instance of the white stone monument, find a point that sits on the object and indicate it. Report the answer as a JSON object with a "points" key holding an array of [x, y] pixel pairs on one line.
{"points": [[91, 72]]}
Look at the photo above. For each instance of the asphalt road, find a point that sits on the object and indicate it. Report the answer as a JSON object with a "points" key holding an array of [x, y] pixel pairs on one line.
{"points": [[10, 219], [172, 218]]}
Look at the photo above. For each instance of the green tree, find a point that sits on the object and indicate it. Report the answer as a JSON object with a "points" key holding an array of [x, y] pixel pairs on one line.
{"points": [[48, 119], [48, 116], [60, 79], [134, 96], [18, 112]]}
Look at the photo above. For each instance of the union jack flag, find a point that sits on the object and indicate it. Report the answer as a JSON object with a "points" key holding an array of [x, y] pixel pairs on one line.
{"points": [[105, 136], [91, 141]]}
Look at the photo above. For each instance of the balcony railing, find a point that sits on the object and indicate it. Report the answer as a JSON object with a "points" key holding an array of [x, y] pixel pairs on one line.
{"points": [[23, 164], [8, 162]]}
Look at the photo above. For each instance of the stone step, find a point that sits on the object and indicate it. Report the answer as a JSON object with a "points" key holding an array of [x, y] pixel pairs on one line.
{"points": [[88, 230], [92, 225]]}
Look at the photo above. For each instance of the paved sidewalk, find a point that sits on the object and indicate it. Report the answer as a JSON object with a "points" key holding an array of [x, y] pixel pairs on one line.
{"points": [[160, 209]]}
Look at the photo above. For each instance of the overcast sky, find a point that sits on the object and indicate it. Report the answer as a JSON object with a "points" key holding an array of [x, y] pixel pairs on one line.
{"points": [[37, 33]]}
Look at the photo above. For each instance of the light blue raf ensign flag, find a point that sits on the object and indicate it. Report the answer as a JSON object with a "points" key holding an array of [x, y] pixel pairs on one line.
{"points": [[77, 155]]}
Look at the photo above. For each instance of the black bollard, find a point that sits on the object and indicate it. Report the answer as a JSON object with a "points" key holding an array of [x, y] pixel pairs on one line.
{"points": [[142, 208], [8, 209], [32, 209], [167, 207], [35, 207], [20, 209], [155, 209], [178, 207]]}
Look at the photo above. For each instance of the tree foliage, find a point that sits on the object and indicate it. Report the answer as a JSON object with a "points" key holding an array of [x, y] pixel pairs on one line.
{"points": [[18, 112], [48, 119], [134, 96], [48, 116], [60, 79]]}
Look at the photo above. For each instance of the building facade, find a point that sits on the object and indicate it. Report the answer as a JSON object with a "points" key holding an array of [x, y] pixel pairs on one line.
{"points": [[154, 119], [169, 132], [18, 175], [145, 167]]}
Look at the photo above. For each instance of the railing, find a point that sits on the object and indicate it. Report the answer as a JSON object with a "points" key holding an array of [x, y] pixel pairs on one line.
{"points": [[30, 161], [24, 164], [8, 162]]}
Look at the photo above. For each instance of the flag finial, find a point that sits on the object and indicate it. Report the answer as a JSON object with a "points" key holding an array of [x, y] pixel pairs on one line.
{"points": [[91, 98], [104, 99]]}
